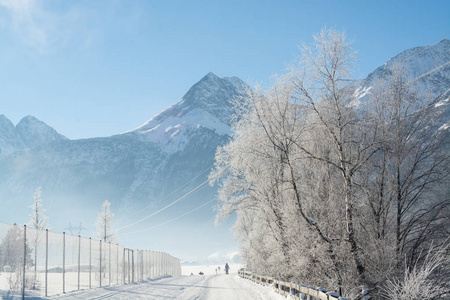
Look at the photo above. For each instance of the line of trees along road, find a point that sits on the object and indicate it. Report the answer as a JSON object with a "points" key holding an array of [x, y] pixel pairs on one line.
{"points": [[335, 191]]}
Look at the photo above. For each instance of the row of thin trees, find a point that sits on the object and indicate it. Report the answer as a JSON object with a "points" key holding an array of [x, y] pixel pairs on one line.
{"points": [[336, 190]]}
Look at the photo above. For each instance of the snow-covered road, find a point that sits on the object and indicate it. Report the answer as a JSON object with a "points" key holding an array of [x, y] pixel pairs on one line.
{"points": [[212, 287]]}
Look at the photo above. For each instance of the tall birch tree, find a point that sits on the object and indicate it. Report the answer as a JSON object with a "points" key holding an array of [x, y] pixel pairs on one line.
{"points": [[38, 221]]}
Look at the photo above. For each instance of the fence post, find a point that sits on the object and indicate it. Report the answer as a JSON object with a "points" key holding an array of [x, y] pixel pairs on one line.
{"points": [[132, 265], [109, 257], [79, 258], [100, 263], [117, 270], [90, 263], [46, 260], [138, 265], [160, 271], [128, 264], [150, 264], [24, 259], [123, 268], [64, 262]]}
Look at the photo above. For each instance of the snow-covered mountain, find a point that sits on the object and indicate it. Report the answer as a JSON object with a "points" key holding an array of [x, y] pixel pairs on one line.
{"points": [[142, 169], [28, 133], [206, 105], [428, 67]]}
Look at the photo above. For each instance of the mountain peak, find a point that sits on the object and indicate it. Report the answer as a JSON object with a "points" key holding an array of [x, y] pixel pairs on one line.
{"points": [[6, 128], [25, 121], [5, 120], [35, 132], [207, 105], [212, 90], [28, 133], [428, 65], [30, 118], [210, 75], [444, 43]]}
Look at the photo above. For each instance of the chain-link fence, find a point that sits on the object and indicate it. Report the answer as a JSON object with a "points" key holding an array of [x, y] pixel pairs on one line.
{"points": [[45, 263]]}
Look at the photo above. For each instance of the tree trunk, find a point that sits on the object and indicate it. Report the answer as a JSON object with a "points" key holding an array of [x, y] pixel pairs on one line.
{"points": [[351, 230]]}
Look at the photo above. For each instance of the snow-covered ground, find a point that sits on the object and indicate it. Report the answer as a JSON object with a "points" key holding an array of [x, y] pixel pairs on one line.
{"points": [[209, 286]]}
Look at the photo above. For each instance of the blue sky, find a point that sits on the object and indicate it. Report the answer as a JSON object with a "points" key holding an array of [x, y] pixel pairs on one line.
{"points": [[98, 68]]}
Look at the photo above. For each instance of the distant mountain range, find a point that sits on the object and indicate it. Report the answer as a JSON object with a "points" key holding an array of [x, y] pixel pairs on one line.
{"points": [[144, 169], [138, 166], [28, 133]]}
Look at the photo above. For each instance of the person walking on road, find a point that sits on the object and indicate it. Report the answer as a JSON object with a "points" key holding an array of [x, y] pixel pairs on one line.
{"points": [[227, 267]]}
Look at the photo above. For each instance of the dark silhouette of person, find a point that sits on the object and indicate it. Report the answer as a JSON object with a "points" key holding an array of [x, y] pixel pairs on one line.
{"points": [[227, 267]]}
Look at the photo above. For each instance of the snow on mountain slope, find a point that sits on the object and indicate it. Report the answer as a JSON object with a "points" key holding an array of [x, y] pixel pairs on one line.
{"points": [[207, 105], [428, 67], [28, 133]]}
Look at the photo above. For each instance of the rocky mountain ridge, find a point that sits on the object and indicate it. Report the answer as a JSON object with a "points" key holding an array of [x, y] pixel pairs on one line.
{"points": [[206, 105], [28, 133], [427, 66]]}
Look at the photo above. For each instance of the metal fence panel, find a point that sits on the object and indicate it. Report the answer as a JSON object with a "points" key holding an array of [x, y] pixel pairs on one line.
{"points": [[44, 263]]}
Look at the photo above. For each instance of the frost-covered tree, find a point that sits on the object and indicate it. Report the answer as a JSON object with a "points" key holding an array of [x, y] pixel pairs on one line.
{"points": [[317, 179], [417, 162], [302, 128], [38, 222], [423, 280], [406, 184], [105, 231], [11, 249], [105, 223]]}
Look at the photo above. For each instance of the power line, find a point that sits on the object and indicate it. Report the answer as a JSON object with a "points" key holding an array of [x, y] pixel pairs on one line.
{"points": [[425, 48], [167, 206], [179, 188], [368, 101], [174, 219], [429, 72], [431, 43]]}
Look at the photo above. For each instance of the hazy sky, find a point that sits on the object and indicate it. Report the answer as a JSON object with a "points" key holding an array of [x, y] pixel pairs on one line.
{"points": [[98, 68]]}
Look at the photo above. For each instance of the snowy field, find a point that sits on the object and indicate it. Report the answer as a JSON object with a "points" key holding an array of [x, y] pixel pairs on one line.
{"points": [[209, 286]]}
